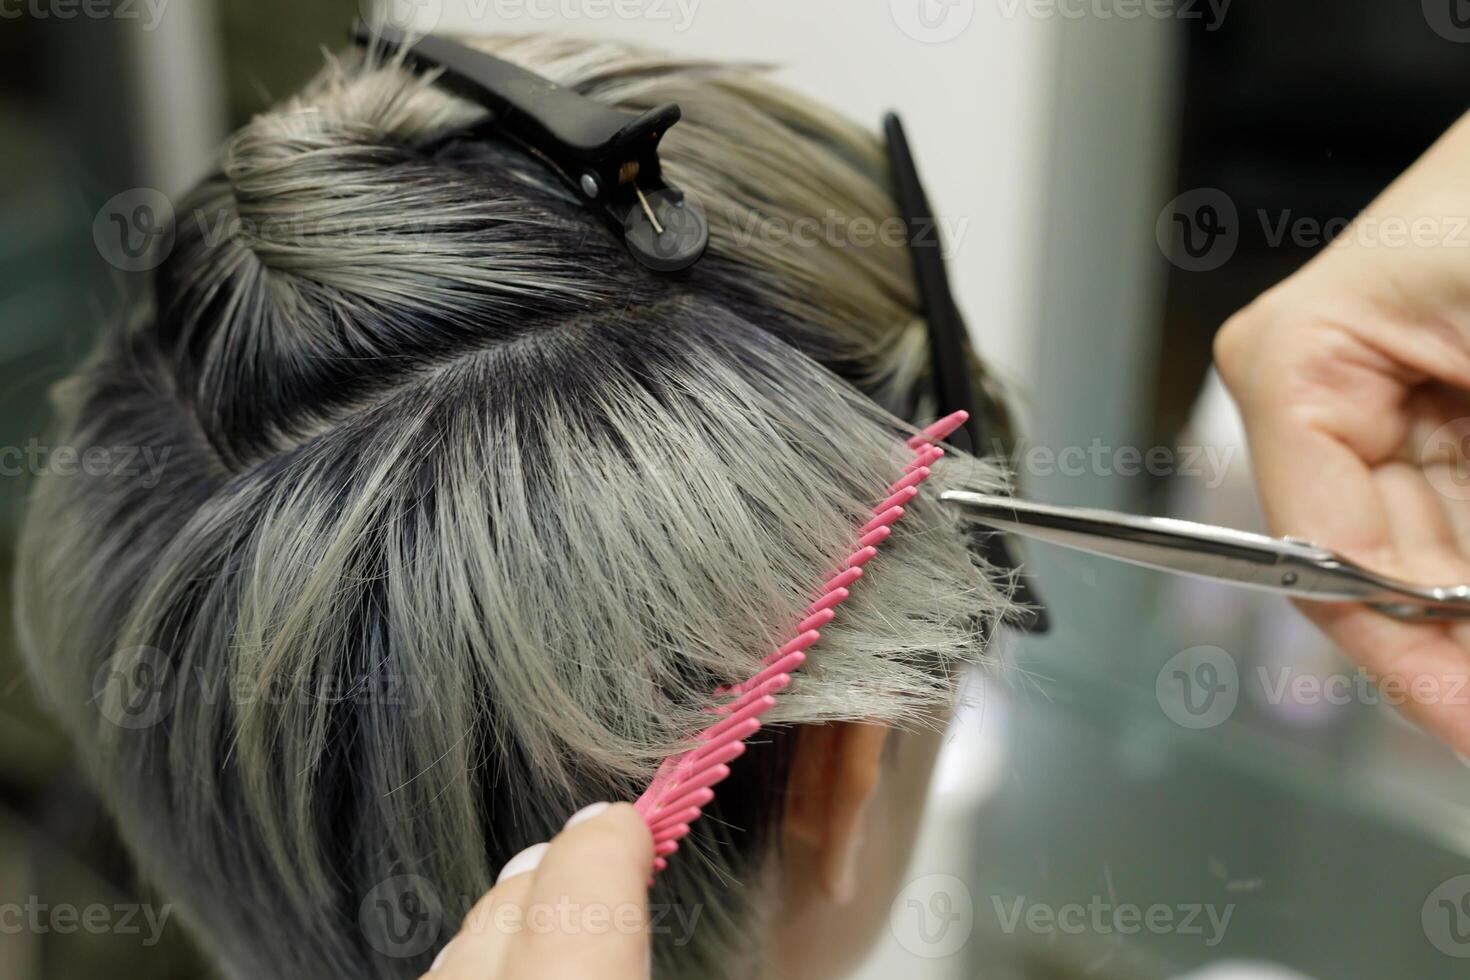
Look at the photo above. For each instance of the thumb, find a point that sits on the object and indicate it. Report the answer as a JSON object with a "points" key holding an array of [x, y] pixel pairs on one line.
{"points": [[587, 912]]}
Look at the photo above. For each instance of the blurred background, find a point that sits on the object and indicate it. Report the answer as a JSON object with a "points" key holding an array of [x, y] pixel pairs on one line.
{"points": [[1151, 790]]}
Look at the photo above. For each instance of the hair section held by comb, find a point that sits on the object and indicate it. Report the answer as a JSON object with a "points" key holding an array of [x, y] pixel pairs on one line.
{"points": [[685, 783]]}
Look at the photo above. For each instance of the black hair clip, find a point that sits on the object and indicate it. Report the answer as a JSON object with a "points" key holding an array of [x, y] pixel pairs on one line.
{"points": [[949, 345], [608, 157]]}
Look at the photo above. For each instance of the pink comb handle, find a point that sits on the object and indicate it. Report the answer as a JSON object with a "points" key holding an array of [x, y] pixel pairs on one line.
{"points": [[685, 783]]}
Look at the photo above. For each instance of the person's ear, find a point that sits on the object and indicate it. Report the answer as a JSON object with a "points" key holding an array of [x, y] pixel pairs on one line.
{"points": [[833, 778]]}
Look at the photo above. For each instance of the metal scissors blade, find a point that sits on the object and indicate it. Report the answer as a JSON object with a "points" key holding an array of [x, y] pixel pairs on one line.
{"points": [[1287, 566]]}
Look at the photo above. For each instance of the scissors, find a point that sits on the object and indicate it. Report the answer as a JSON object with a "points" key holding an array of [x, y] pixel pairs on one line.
{"points": [[1286, 566]]}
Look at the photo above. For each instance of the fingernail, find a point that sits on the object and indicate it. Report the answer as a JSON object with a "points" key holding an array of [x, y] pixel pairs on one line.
{"points": [[523, 862], [586, 813], [439, 960]]}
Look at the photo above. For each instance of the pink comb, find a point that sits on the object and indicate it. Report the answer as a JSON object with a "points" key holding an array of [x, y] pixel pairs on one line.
{"points": [[685, 783]]}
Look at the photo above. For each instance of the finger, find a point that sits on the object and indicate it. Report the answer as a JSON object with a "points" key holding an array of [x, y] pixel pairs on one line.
{"points": [[1313, 446], [1439, 431], [1419, 526], [1315, 450], [1312, 485], [478, 951], [1422, 669], [589, 903], [1416, 667], [1426, 537], [1440, 446]]}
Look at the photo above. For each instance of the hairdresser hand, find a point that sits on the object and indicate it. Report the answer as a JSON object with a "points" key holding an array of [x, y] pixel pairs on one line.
{"points": [[574, 908], [1353, 377]]}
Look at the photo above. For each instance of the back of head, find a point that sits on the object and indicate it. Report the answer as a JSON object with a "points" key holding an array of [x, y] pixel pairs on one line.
{"points": [[462, 516]]}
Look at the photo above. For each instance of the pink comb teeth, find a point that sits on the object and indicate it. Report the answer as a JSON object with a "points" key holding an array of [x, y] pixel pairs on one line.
{"points": [[685, 783]]}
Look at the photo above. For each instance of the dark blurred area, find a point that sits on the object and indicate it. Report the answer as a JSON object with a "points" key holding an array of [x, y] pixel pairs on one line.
{"points": [[85, 109], [1298, 112]]}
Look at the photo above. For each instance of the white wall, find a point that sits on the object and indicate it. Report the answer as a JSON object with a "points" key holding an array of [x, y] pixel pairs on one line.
{"points": [[177, 75], [974, 104]]}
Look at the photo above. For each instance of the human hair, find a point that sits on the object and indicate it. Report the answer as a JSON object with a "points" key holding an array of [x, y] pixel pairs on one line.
{"points": [[463, 516]]}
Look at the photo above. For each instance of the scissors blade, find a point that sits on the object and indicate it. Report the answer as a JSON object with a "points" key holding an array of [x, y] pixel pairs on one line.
{"points": [[1282, 565], [1166, 544]]}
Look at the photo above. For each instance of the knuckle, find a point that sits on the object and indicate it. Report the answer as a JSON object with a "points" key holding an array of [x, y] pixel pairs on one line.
{"points": [[624, 819], [609, 838], [618, 822], [1235, 341], [482, 914]]}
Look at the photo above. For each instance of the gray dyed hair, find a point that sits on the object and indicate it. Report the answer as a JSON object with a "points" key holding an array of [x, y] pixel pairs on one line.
{"points": [[464, 516]]}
